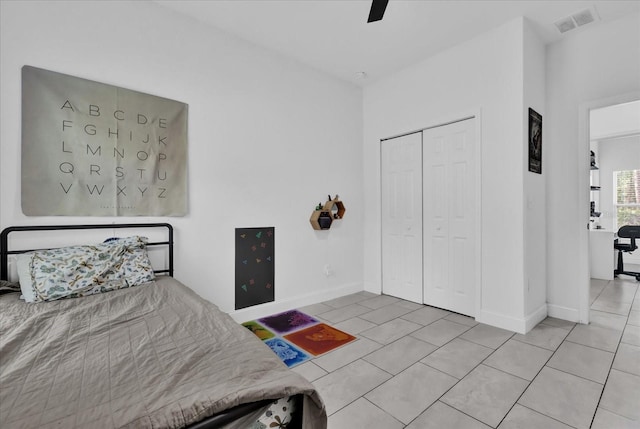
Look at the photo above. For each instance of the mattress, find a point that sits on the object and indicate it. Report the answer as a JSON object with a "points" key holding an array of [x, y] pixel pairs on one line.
{"points": [[151, 356]]}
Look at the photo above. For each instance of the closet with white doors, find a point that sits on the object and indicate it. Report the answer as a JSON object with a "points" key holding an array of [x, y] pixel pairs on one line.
{"points": [[429, 199]]}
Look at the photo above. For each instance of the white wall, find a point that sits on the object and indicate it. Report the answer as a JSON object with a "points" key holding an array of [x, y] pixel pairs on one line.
{"points": [[482, 75], [601, 63], [269, 138], [535, 243]]}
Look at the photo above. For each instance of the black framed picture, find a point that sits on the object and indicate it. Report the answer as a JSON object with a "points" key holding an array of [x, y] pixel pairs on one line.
{"points": [[535, 141]]}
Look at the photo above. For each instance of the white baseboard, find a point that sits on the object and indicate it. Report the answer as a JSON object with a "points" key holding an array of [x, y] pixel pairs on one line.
{"points": [[269, 308], [564, 313], [536, 317], [509, 323]]}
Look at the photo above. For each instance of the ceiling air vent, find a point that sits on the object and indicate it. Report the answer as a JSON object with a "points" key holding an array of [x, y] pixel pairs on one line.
{"points": [[576, 20]]}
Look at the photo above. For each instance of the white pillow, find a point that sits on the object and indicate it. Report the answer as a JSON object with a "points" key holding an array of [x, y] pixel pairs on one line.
{"points": [[23, 261]]}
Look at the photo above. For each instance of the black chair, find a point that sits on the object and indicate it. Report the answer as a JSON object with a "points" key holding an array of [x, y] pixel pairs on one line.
{"points": [[632, 232]]}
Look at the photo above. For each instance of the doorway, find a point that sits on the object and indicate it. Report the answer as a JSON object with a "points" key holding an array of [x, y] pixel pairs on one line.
{"points": [[429, 209], [584, 193]]}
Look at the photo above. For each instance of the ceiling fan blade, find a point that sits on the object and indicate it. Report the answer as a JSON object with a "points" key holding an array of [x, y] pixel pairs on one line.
{"points": [[377, 10]]}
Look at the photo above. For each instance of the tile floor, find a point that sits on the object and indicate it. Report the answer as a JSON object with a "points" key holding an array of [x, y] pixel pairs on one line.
{"points": [[420, 367]]}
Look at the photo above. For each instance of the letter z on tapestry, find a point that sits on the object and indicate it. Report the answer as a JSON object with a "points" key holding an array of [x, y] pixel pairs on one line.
{"points": [[92, 149]]}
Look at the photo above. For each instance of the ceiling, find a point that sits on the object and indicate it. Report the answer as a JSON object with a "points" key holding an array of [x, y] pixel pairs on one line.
{"points": [[333, 35]]}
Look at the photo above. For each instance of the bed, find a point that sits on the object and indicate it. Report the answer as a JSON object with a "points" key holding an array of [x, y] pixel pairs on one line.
{"points": [[153, 355]]}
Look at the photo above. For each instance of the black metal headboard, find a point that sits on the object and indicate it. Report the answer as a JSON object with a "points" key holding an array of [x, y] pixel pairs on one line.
{"points": [[5, 251]]}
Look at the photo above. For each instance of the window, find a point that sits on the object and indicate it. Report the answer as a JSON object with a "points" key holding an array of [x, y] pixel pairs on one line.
{"points": [[626, 204]]}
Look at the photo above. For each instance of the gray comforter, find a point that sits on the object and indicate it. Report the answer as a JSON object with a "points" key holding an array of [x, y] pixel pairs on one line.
{"points": [[152, 356]]}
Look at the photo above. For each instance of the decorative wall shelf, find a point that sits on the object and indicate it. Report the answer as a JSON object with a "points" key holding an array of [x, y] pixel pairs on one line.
{"points": [[323, 216]]}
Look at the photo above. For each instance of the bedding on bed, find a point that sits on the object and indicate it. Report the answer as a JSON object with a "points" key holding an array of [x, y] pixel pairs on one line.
{"points": [[153, 356], [75, 271]]}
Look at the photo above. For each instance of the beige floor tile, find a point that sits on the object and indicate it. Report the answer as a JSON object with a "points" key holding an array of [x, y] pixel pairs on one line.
{"points": [[631, 335], [362, 414], [622, 394], [461, 319], [343, 313], [586, 362], [385, 314], [627, 359], [543, 335], [607, 420], [520, 359], [310, 371], [558, 323], [524, 418], [607, 320], [390, 331], [458, 357], [488, 336], [348, 383], [564, 397], [343, 301], [346, 354], [426, 315], [354, 326], [440, 332], [379, 301], [441, 416], [595, 336], [486, 394], [634, 318], [409, 393], [400, 354]]}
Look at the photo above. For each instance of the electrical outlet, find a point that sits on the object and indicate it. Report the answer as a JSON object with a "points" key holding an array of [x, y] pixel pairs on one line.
{"points": [[328, 270]]}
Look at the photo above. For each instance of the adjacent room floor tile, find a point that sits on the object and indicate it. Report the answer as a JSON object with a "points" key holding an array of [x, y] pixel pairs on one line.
{"points": [[348, 383], [458, 357], [524, 418], [400, 354], [409, 393], [441, 416], [486, 335], [607, 320], [565, 397], [621, 394], [519, 359], [595, 336], [631, 335], [543, 335], [607, 420], [390, 331], [627, 359], [440, 332], [385, 314], [426, 315], [486, 394], [347, 354], [586, 362], [362, 414]]}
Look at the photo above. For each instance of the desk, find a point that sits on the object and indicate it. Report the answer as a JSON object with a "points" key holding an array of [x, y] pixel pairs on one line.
{"points": [[602, 256]]}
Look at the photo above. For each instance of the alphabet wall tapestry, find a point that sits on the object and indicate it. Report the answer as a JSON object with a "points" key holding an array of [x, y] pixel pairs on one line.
{"points": [[92, 149]]}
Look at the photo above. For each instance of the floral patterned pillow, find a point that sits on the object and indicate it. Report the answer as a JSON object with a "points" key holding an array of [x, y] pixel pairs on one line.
{"points": [[74, 271]]}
